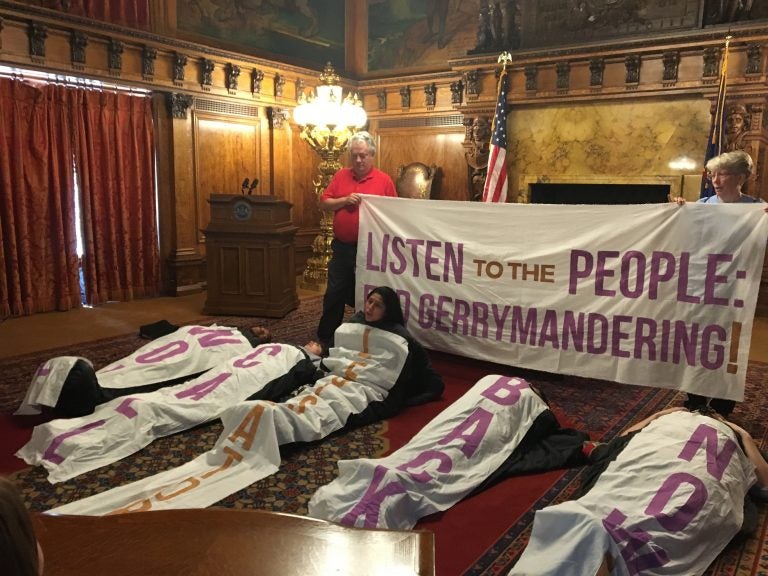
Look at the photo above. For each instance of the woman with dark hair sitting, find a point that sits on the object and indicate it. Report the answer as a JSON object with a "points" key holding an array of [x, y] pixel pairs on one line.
{"points": [[20, 554], [418, 382]]}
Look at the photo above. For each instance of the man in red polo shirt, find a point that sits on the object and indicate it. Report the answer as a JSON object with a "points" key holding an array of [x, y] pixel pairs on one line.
{"points": [[342, 197]]}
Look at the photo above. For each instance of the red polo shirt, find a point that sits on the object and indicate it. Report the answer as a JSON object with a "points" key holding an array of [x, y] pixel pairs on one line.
{"points": [[344, 183]]}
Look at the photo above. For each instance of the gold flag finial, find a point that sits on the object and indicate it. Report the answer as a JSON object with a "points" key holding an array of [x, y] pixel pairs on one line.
{"points": [[504, 59]]}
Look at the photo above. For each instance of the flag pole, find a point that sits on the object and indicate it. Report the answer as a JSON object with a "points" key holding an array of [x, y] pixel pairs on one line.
{"points": [[495, 189]]}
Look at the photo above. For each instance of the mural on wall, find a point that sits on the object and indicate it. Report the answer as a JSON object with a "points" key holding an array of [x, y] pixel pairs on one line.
{"points": [[553, 22], [310, 32], [420, 33]]}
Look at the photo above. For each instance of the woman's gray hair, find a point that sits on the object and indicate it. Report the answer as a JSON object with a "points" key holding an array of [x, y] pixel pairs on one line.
{"points": [[363, 136], [738, 162]]}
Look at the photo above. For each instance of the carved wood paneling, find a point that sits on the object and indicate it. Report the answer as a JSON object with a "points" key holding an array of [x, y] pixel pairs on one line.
{"points": [[439, 146], [226, 151]]}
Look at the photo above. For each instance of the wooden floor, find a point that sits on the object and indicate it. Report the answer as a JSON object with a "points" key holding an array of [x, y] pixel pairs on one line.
{"points": [[54, 329]]}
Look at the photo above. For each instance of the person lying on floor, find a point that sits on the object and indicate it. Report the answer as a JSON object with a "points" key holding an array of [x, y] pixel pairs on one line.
{"points": [[665, 497], [124, 425], [501, 427], [71, 387], [372, 359]]}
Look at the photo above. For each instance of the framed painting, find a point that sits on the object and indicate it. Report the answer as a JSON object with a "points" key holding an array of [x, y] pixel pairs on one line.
{"points": [[306, 32]]}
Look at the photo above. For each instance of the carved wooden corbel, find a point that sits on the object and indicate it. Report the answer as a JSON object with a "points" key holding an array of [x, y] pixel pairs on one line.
{"points": [[37, 34], [77, 43], [256, 77], [596, 71], [632, 66], [430, 95], [472, 80], [179, 62], [563, 71], [206, 74], [279, 84], [231, 74], [405, 97], [178, 104], [457, 92], [115, 56], [301, 85], [671, 62], [277, 117], [381, 96], [531, 73], [148, 57]]}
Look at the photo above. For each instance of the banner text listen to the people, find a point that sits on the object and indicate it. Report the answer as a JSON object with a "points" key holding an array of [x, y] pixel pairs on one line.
{"points": [[658, 295]]}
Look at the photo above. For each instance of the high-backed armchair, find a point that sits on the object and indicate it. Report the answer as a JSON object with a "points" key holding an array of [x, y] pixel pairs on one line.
{"points": [[414, 180]]}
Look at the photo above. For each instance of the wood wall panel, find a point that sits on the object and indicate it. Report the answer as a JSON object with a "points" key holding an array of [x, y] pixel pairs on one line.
{"points": [[227, 150], [441, 147]]}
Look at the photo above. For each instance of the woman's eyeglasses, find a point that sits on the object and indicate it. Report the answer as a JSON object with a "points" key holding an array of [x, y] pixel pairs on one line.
{"points": [[716, 173]]}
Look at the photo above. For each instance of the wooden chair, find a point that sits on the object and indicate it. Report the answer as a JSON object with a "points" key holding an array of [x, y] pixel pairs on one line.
{"points": [[226, 542], [414, 180]]}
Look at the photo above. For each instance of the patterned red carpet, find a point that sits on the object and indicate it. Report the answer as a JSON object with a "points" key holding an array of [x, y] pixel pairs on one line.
{"points": [[485, 534]]}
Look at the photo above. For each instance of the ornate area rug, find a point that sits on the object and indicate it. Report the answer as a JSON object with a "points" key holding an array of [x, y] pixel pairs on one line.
{"points": [[499, 520]]}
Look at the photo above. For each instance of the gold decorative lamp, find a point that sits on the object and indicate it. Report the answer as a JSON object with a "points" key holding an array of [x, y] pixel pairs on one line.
{"points": [[327, 123]]}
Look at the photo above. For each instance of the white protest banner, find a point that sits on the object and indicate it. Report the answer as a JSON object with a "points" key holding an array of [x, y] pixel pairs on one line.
{"points": [[185, 352], [439, 466], [657, 294], [365, 363], [668, 504], [116, 429]]}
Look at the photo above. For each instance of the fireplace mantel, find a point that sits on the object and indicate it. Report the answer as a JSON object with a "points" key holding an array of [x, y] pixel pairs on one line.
{"points": [[686, 185]]}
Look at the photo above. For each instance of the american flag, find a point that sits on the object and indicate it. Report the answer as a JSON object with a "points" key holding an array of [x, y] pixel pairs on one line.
{"points": [[716, 130], [495, 189]]}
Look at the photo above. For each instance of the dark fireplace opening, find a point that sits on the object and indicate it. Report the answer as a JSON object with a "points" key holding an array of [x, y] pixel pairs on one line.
{"points": [[546, 193]]}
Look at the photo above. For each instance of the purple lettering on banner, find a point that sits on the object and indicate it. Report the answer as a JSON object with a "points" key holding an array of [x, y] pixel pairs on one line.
{"points": [[710, 333], [617, 335], [414, 244], [426, 316], [712, 279], [499, 320], [111, 369], [42, 370], [602, 272], [471, 432], [441, 322], [685, 342], [666, 330], [201, 390], [249, 361], [163, 352], [627, 275], [645, 335], [636, 539], [445, 464], [677, 520], [550, 330], [369, 505], [505, 391], [369, 265], [682, 280], [578, 271], [573, 330], [480, 319], [461, 318], [125, 408], [527, 330], [398, 245], [50, 452], [658, 275], [210, 337], [454, 261], [717, 462], [597, 333], [430, 259]]}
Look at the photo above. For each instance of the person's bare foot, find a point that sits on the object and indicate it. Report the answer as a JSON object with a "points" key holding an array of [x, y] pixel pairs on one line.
{"points": [[314, 348]]}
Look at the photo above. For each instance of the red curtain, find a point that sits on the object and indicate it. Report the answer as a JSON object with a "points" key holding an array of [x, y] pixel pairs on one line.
{"points": [[115, 164], [38, 251], [132, 13]]}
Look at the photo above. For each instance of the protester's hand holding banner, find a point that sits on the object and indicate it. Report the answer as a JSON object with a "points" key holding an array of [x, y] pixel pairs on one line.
{"points": [[658, 295]]}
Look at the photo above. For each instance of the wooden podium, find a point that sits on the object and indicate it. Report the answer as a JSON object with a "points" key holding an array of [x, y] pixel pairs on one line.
{"points": [[250, 256]]}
